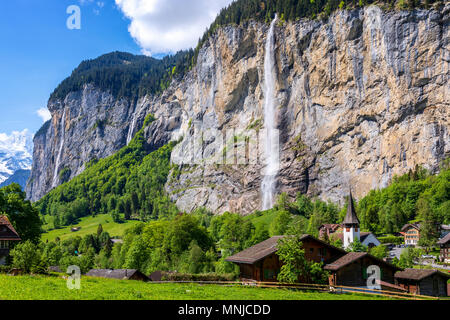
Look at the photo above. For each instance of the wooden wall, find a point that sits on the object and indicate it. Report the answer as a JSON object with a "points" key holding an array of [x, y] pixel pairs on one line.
{"points": [[355, 274]]}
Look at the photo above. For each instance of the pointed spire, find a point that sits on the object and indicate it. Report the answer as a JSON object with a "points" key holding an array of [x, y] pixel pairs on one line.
{"points": [[351, 217]]}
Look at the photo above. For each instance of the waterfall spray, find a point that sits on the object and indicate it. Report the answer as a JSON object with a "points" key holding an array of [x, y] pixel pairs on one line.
{"points": [[268, 186], [61, 145]]}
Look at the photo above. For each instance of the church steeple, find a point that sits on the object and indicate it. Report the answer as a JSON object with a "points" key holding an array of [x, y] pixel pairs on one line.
{"points": [[351, 224], [351, 218]]}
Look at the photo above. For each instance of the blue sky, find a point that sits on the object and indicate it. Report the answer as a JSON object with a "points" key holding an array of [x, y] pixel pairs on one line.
{"points": [[38, 51]]}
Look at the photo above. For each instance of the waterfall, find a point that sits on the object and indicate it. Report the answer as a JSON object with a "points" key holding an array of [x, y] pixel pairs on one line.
{"points": [[61, 146], [133, 124], [268, 186]]}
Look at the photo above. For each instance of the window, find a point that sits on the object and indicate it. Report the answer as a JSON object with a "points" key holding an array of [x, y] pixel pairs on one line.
{"points": [[4, 244]]}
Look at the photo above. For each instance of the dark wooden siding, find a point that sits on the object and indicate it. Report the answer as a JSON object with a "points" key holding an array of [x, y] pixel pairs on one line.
{"points": [[355, 274], [435, 285]]}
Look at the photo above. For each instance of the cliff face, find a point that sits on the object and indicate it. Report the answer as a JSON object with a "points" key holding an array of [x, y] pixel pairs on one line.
{"points": [[87, 125], [361, 97]]}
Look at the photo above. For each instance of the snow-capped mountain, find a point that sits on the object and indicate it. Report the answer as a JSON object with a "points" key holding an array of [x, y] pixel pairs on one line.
{"points": [[15, 153]]}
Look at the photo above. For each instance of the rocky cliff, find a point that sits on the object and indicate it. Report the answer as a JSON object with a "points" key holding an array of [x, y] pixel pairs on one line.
{"points": [[361, 97]]}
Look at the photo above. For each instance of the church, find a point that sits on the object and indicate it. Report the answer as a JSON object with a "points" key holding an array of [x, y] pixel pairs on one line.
{"points": [[349, 231]]}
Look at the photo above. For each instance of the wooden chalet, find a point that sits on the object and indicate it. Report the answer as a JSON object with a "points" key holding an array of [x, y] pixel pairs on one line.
{"points": [[8, 236], [423, 281], [444, 244], [351, 270], [119, 274], [261, 263]]}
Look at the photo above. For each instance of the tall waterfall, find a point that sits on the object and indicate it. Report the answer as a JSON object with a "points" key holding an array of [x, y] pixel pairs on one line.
{"points": [[61, 145], [269, 182], [133, 124]]}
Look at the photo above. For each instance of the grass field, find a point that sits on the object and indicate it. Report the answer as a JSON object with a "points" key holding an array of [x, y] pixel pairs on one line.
{"points": [[54, 288], [88, 225]]}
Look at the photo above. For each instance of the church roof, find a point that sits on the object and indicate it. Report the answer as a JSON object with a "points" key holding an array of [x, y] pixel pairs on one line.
{"points": [[351, 217]]}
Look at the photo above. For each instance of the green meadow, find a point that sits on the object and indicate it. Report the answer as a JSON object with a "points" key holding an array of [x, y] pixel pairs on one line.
{"points": [[55, 288], [88, 225]]}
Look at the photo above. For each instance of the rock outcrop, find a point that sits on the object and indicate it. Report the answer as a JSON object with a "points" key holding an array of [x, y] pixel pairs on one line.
{"points": [[361, 97]]}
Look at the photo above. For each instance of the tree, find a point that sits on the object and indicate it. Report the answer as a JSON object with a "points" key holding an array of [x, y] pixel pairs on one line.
{"points": [[429, 232], [99, 230], [27, 256], [409, 256], [21, 213], [380, 252], [295, 266], [137, 255], [357, 246], [280, 224]]}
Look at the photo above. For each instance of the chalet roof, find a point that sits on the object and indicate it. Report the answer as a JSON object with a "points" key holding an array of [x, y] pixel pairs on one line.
{"points": [[444, 240], [385, 284], [419, 274], [410, 225], [266, 248], [257, 252], [351, 217], [352, 257], [7, 231], [120, 274]]}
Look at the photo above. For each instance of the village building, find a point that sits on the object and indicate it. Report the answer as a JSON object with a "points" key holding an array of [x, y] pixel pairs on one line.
{"points": [[349, 231], [445, 230], [8, 236], [423, 282], [119, 274], [261, 263], [351, 270], [411, 232], [444, 244], [329, 230]]}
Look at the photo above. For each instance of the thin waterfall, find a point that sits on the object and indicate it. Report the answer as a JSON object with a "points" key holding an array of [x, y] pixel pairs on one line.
{"points": [[61, 146], [133, 124], [269, 182]]}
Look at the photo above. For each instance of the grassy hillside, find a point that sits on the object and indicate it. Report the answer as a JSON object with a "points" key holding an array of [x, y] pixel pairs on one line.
{"points": [[54, 288], [88, 225]]}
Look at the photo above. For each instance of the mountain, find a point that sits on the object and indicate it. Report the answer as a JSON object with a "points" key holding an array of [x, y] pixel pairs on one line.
{"points": [[15, 153], [360, 97], [20, 177]]}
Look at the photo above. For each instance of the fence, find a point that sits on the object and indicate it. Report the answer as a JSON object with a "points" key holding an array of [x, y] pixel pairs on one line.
{"points": [[309, 287]]}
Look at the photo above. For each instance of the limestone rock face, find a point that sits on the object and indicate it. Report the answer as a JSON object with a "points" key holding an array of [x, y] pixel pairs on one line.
{"points": [[361, 97]]}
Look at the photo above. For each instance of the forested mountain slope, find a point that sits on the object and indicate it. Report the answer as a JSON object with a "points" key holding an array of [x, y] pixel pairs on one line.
{"points": [[361, 96]]}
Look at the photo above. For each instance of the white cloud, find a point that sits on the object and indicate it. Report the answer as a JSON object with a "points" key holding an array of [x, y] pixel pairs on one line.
{"points": [[162, 26], [44, 114]]}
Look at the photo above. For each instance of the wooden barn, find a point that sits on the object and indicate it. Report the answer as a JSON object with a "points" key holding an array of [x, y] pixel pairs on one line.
{"points": [[261, 263], [426, 282], [351, 270], [8, 236], [119, 274]]}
